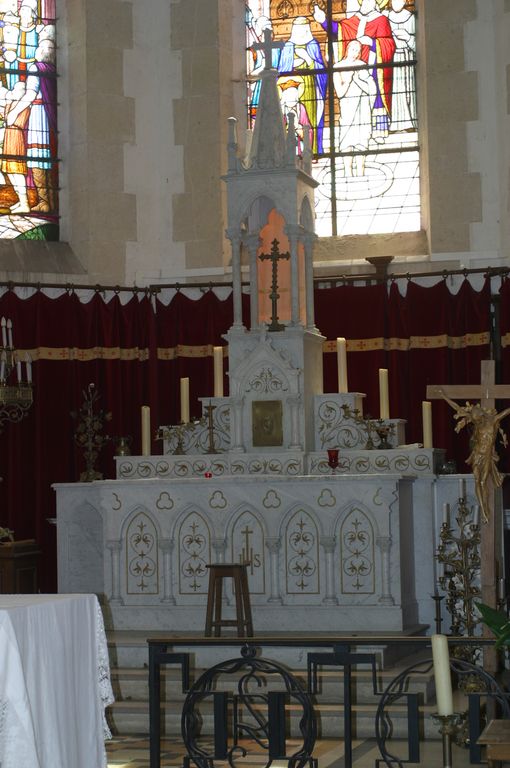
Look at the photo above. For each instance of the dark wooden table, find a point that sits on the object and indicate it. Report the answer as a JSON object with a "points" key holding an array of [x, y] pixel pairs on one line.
{"points": [[18, 567]]}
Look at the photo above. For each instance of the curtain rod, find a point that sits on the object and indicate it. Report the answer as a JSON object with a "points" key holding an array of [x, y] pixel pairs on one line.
{"points": [[81, 287], [345, 278]]}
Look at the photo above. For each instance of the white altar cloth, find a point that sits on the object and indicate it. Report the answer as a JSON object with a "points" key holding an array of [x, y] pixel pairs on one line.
{"points": [[54, 682]]}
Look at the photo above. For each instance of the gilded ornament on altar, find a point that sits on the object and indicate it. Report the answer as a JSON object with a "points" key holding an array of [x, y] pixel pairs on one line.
{"points": [[267, 423], [89, 432]]}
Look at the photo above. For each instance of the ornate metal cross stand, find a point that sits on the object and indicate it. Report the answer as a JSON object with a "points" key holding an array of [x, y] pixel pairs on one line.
{"points": [[275, 256], [89, 432]]}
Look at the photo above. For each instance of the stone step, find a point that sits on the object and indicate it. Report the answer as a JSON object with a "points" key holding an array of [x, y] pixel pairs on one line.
{"points": [[132, 717], [131, 683]]}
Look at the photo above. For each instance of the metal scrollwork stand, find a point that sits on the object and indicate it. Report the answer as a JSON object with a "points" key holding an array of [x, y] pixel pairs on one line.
{"points": [[89, 432]]}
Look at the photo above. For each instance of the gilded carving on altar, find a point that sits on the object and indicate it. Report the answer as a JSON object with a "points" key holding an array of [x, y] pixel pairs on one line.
{"points": [[267, 423]]}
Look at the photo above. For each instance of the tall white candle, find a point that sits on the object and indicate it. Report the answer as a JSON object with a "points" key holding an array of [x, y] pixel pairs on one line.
{"points": [[218, 371], [4, 332], [442, 675], [426, 410], [18, 370], [146, 430], [384, 399], [29, 368], [446, 514], [341, 361], [9, 334], [476, 515], [185, 400], [462, 488]]}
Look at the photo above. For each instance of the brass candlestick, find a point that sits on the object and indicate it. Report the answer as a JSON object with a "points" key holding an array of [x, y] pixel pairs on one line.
{"points": [[179, 432], [209, 415], [371, 426], [448, 727]]}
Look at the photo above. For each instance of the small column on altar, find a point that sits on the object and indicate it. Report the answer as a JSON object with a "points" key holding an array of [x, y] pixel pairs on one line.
{"points": [[274, 546], [167, 546], [328, 544]]}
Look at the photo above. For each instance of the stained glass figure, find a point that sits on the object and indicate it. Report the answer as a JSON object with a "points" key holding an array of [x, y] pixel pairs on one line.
{"points": [[347, 72], [28, 124]]}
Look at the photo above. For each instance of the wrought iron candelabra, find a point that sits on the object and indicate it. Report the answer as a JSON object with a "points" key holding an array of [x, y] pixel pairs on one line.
{"points": [[89, 433], [16, 392], [459, 554]]}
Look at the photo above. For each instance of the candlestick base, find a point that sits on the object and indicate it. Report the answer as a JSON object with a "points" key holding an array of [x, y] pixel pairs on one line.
{"points": [[448, 727]]}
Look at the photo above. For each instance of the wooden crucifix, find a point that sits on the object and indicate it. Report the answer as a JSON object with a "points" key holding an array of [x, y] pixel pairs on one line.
{"points": [[485, 420], [275, 256]]}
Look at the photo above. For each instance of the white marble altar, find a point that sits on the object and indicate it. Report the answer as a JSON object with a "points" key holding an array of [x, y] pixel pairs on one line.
{"points": [[347, 551]]}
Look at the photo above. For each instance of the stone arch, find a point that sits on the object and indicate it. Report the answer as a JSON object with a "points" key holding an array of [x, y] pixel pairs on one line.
{"points": [[192, 535], [357, 534], [300, 534], [246, 532], [140, 534]]}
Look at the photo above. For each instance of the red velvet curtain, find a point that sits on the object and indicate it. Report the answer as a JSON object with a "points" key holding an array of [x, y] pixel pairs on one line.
{"points": [[73, 344], [428, 336], [135, 354]]}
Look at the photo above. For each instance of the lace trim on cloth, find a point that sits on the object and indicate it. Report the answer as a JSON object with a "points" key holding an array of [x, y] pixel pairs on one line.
{"points": [[105, 686]]}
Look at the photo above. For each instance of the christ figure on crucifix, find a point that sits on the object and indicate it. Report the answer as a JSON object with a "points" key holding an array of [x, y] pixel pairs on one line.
{"points": [[483, 457]]}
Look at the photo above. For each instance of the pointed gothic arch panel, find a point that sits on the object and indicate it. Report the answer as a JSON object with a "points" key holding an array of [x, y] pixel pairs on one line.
{"points": [[357, 553], [347, 71], [141, 543], [248, 546], [302, 562], [194, 543]]}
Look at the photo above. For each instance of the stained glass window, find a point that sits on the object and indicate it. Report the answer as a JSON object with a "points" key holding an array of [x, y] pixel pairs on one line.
{"points": [[347, 71], [28, 129]]}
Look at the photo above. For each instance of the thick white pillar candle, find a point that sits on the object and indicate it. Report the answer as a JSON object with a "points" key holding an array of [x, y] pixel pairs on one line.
{"points": [[442, 675], [341, 361], [384, 399], [426, 410], [462, 488], [4, 332], [29, 368], [185, 400], [218, 371], [146, 430]]}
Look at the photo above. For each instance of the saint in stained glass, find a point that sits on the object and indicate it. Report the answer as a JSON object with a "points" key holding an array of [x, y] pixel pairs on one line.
{"points": [[347, 72], [28, 125]]}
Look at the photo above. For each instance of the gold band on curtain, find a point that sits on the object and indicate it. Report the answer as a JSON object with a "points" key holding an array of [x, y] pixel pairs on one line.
{"points": [[206, 350]]}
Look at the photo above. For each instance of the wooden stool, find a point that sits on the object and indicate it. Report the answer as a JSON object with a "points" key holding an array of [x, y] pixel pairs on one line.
{"points": [[243, 620]]}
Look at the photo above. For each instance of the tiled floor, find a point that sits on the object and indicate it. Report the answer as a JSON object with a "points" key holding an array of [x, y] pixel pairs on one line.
{"points": [[133, 752]]}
